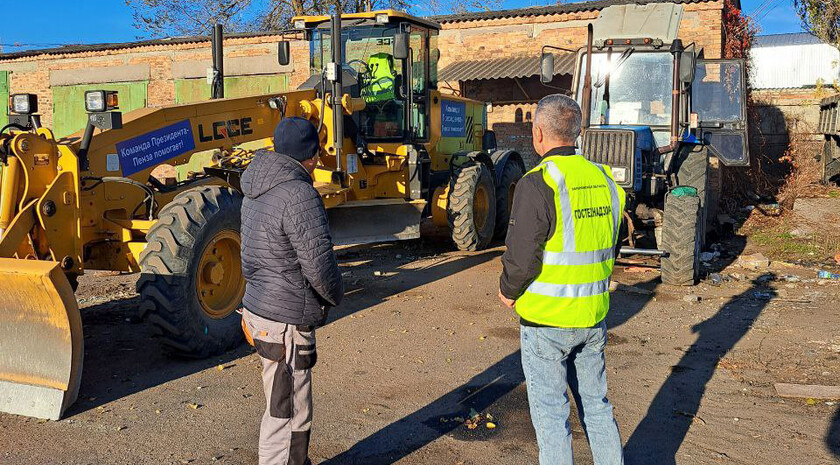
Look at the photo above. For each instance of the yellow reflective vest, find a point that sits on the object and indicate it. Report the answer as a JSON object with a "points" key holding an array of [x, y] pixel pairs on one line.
{"points": [[572, 289]]}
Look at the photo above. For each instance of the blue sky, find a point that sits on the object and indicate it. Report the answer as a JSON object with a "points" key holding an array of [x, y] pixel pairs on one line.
{"points": [[60, 22]]}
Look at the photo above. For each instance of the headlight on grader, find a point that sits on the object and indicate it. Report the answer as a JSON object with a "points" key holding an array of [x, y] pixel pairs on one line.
{"points": [[98, 101], [619, 174], [300, 24], [24, 104]]}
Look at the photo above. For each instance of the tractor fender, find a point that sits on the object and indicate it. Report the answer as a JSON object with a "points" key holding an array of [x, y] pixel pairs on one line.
{"points": [[478, 157], [500, 159]]}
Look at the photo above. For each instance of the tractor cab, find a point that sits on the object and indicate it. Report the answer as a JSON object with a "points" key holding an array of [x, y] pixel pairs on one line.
{"points": [[389, 59]]}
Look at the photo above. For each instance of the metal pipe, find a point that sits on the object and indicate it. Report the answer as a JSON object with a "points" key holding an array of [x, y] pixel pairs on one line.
{"points": [[586, 99], [217, 44], [85, 145], [634, 251], [8, 192], [676, 91], [337, 93]]}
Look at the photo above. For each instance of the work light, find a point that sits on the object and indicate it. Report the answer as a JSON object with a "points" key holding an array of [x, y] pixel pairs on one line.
{"points": [[97, 101], [619, 174], [300, 24], [24, 104], [382, 18]]}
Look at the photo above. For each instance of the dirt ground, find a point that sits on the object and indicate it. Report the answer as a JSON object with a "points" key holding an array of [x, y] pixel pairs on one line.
{"points": [[421, 340]]}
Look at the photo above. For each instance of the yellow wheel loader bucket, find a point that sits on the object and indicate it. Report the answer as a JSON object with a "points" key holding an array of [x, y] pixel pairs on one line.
{"points": [[40, 339]]}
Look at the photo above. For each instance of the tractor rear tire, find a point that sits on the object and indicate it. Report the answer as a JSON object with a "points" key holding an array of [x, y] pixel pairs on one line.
{"points": [[471, 209], [193, 250], [511, 174], [681, 228]]}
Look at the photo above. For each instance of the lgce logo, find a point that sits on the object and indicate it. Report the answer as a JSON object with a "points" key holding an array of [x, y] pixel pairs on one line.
{"points": [[226, 129]]}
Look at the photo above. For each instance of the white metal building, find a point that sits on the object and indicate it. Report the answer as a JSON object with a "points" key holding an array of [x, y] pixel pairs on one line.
{"points": [[798, 60]]}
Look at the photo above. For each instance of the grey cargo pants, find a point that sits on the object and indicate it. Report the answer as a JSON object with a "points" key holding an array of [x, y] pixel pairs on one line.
{"points": [[288, 354]]}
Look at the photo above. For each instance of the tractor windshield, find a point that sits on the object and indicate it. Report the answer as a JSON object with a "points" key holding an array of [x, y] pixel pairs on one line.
{"points": [[630, 88]]}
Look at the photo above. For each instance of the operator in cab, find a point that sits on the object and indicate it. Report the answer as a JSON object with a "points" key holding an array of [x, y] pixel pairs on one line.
{"points": [[291, 279], [561, 245]]}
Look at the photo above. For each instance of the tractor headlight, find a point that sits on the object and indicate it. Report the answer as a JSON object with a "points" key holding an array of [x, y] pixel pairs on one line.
{"points": [[97, 101], [382, 18], [300, 24], [24, 104], [619, 174]]}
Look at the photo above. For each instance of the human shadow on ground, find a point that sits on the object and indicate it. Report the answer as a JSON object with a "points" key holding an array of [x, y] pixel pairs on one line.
{"points": [[122, 358], [659, 435], [832, 437]]}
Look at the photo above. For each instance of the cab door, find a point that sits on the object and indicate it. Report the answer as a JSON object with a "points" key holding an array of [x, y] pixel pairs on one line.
{"points": [[719, 110]]}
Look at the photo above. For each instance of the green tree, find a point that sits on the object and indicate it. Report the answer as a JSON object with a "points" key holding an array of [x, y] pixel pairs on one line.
{"points": [[821, 18]]}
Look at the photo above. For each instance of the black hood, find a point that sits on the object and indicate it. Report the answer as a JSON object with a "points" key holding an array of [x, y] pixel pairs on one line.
{"points": [[269, 169]]}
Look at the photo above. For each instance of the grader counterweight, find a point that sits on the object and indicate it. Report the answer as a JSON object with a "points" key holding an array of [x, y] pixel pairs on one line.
{"points": [[394, 151]]}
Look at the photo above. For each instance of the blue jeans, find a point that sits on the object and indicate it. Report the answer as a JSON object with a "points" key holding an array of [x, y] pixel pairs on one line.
{"points": [[550, 358]]}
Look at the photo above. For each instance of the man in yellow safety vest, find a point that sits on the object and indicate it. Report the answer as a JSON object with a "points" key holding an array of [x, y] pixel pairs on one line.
{"points": [[560, 252]]}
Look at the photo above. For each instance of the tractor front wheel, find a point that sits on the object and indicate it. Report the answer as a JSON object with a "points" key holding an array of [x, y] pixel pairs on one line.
{"points": [[471, 208], [191, 281]]}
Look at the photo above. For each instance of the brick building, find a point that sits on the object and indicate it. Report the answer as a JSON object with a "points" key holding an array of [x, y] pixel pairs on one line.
{"points": [[491, 56]]}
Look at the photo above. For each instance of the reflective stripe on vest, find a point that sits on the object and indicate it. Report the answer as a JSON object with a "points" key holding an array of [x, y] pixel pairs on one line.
{"points": [[572, 289]]}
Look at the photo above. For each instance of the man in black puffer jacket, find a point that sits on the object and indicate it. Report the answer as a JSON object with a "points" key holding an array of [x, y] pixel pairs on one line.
{"points": [[291, 278]]}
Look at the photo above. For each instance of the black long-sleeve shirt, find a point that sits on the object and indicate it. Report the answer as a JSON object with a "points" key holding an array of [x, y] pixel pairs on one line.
{"points": [[533, 219]]}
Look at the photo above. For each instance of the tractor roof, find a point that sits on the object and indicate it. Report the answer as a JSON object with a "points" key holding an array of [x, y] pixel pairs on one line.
{"points": [[394, 16]]}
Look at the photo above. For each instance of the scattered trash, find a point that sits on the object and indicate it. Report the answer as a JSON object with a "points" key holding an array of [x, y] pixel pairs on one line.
{"points": [[792, 278], [755, 261], [692, 298], [693, 417], [379, 273], [809, 391], [715, 279], [120, 428], [827, 275], [194, 406], [222, 367], [762, 295], [709, 256]]}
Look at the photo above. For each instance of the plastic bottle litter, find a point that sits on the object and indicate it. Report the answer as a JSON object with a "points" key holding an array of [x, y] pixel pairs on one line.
{"points": [[827, 275]]}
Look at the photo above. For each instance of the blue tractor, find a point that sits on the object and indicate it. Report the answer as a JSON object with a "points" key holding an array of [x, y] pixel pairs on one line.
{"points": [[664, 119]]}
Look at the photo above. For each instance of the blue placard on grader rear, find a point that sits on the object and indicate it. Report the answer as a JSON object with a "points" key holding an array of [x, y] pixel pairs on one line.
{"points": [[453, 116], [155, 147]]}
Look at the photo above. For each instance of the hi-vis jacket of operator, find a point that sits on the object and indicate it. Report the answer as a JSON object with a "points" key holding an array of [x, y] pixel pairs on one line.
{"points": [[561, 241]]}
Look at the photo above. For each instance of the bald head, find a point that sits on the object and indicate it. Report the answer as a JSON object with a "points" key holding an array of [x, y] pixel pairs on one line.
{"points": [[556, 123]]}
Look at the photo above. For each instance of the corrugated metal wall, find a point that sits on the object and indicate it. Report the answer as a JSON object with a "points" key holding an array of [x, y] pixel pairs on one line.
{"points": [[794, 66]]}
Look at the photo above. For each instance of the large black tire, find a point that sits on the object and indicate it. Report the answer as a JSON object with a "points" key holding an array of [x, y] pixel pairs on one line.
{"points": [[471, 209], [511, 174], [681, 228], [171, 264], [695, 171]]}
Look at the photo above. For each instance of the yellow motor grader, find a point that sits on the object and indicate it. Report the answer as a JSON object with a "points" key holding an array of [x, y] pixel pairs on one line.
{"points": [[394, 151]]}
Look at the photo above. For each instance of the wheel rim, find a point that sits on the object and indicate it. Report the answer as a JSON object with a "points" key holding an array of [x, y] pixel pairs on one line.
{"points": [[481, 207], [219, 283]]}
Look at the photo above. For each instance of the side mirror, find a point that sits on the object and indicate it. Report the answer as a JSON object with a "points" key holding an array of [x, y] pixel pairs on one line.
{"points": [[401, 46], [284, 57], [688, 63], [546, 68]]}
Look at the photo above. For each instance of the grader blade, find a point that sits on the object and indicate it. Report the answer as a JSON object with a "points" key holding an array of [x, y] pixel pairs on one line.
{"points": [[41, 346], [366, 222]]}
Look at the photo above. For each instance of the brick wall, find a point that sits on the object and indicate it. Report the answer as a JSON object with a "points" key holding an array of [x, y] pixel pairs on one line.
{"points": [[159, 64]]}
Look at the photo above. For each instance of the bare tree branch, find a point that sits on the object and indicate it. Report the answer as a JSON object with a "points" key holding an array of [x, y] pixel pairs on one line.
{"points": [[821, 18]]}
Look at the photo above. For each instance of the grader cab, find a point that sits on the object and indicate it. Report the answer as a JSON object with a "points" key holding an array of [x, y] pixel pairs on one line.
{"points": [[394, 151]]}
